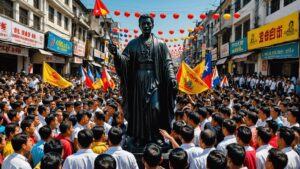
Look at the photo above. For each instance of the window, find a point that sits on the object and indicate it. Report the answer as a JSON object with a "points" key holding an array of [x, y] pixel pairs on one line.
{"points": [[58, 18], [36, 4], [238, 32], [74, 10], [24, 16], [246, 2], [246, 28], [6, 8], [51, 14], [287, 2], [79, 33], [275, 5], [237, 5], [67, 2], [226, 36], [83, 35], [36, 22], [66, 23]]}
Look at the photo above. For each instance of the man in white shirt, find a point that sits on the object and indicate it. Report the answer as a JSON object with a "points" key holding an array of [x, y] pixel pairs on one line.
{"points": [[22, 145], [194, 120], [99, 120], [125, 159], [276, 159], [187, 135], [228, 129], [82, 121], [285, 138], [262, 140], [43, 113], [292, 118], [207, 142], [263, 114], [84, 157], [203, 117]]}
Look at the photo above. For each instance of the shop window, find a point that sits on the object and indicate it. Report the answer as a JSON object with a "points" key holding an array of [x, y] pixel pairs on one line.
{"points": [[36, 22], [246, 2], [246, 28], [23, 16], [36, 4], [51, 14], [6, 8], [275, 5], [66, 23], [59, 17], [287, 2], [238, 32], [237, 5]]}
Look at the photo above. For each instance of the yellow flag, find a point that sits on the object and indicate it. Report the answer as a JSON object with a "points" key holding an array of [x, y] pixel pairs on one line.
{"points": [[98, 84], [199, 69], [52, 77], [188, 81]]}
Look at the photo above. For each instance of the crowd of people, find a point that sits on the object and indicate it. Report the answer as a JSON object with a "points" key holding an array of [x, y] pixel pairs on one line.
{"points": [[253, 123]]}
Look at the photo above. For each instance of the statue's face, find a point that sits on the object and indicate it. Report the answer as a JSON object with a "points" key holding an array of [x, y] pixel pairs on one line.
{"points": [[146, 26]]}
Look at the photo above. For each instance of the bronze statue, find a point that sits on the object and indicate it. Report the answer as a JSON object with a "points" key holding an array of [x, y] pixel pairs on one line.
{"points": [[148, 84]]}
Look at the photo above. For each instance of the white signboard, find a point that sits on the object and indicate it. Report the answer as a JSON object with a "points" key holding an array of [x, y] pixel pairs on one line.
{"points": [[54, 59], [97, 53], [224, 50], [13, 50], [5, 29], [79, 48], [214, 53]]}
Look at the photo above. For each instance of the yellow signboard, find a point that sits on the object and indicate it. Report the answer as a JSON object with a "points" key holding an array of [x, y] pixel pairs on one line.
{"points": [[282, 30]]}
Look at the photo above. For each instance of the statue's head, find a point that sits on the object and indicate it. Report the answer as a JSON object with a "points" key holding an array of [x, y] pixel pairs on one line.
{"points": [[146, 23]]}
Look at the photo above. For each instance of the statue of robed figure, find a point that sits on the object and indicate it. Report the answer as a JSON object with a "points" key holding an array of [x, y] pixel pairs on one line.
{"points": [[148, 84]]}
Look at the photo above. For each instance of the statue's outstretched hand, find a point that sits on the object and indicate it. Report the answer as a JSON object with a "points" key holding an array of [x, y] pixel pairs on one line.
{"points": [[113, 49]]}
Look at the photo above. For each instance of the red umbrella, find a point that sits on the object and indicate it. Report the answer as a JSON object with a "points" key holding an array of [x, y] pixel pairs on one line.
{"points": [[127, 14], [117, 12], [176, 15]]}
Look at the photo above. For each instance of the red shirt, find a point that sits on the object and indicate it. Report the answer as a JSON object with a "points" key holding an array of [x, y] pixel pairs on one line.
{"points": [[253, 139], [250, 158], [68, 145], [273, 142]]}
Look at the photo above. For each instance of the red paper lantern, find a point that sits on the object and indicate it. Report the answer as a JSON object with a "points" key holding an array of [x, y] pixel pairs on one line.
{"points": [[130, 36], [166, 40], [135, 31], [190, 16], [137, 14], [117, 12], [125, 30], [202, 16], [162, 38], [160, 32], [169, 46], [126, 40], [196, 29], [171, 32], [174, 46], [135, 36], [121, 30], [163, 15], [152, 14], [178, 45], [216, 16], [201, 28], [176, 15], [127, 14], [115, 30], [236, 15], [181, 31]]}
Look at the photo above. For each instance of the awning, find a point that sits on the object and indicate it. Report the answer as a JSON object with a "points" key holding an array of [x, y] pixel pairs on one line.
{"points": [[242, 57], [43, 52], [96, 64], [221, 61]]}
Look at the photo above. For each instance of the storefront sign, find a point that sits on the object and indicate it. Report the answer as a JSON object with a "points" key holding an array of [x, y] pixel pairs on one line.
{"points": [[238, 46], [54, 59], [224, 50], [77, 60], [282, 30], [290, 50], [13, 50], [79, 47], [59, 45], [19, 34], [214, 54]]}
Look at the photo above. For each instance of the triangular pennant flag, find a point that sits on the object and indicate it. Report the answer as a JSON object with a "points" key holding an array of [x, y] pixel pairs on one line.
{"points": [[100, 9]]}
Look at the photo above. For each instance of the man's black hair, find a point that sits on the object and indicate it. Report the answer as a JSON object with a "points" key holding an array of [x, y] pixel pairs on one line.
{"points": [[64, 126], [252, 116], [45, 132], [216, 160], [179, 113], [18, 140], [31, 109], [266, 111], [264, 134], [195, 117], [80, 115], [278, 158], [11, 114], [272, 124], [178, 158], [229, 125], [115, 135], [187, 133], [77, 103], [202, 112], [85, 138], [98, 131], [41, 109], [26, 123], [105, 161], [69, 104], [287, 134], [217, 118], [226, 111], [53, 146], [145, 16], [177, 126], [152, 155], [51, 160], [10, 128], [49, 119], [244, 133], [99, 115], [236, 153], [208, 137]]}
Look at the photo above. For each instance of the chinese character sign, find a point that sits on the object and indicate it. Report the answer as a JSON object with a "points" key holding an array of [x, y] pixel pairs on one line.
{"points": [[59, 45], [5, 29], [282, 30]]}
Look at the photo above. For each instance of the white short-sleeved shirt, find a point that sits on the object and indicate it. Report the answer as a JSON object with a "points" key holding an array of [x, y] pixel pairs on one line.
{"points": [[261, 156], [124, 159], [83, 158], [200, 162], [293, 158], [197, 132], [192, 151], [77, 129], [16, 161], [227, 140]]}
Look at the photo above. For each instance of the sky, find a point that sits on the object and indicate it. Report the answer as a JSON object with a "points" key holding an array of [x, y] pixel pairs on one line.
{"points": [[169, 7]]}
